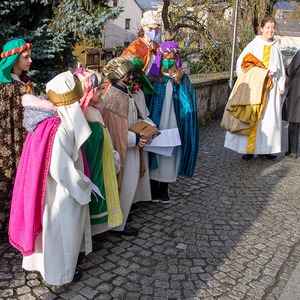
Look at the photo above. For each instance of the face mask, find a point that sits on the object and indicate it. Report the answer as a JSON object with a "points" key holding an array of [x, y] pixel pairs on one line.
{"points": [[151, 34], [168, 63]]}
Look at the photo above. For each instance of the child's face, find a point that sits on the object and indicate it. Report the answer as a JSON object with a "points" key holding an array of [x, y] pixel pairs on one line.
{"points": [[130, 77], [24, 61], [268, 31], [168, 55]]}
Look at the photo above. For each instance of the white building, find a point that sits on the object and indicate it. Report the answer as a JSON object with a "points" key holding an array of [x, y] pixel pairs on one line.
{"points": [[123, 30]]}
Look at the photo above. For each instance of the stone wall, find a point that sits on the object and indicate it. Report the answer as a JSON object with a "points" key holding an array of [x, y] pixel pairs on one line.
{"points": [[212, 93]]}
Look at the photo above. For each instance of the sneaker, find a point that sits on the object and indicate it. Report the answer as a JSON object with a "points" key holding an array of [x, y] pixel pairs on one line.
{"points": [[165, 200], [77, 275], [155, 200]]}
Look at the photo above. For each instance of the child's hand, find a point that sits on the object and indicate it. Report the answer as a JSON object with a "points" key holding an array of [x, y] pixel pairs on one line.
{"points": [[142, 142]]}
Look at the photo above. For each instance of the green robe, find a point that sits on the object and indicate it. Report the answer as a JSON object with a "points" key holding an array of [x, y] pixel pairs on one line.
{"points": [[93, 149]]}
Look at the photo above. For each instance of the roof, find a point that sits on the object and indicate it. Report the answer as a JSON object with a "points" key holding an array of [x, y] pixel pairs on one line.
{"points": [[144, 4], [284, 5]]}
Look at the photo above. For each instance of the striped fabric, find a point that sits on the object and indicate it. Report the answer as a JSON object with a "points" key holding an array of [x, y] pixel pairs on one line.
{"points": [[252, 135], [16, 50]]}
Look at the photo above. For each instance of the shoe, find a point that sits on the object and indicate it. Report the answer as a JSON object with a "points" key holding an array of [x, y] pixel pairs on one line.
{"points": [[77, 275], [98, 238], [80, 258], [164, 200], [155, 200], [291, 155], [268, 156], [164, 192], [96, 245], [129, 219], [247, 156], [134, 208], [128, 230]]}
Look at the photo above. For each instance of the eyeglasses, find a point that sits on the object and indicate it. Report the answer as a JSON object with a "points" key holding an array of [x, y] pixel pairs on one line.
{"points": [[153, 28]]}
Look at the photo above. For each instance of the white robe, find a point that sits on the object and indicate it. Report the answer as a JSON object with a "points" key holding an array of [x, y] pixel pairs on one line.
{"points": [[131, 169], [268, 137], [66, 219], [143, 191], [167, 170]]}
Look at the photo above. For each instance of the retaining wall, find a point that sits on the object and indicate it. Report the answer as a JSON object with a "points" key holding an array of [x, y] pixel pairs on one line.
{"points": [[212, 93]]}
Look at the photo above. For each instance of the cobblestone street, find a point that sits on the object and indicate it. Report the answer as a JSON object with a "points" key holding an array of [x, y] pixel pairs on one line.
{"points": [[231, 232]]}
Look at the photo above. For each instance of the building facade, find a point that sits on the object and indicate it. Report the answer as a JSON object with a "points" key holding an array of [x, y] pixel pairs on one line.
{"points": [[123, 30]]}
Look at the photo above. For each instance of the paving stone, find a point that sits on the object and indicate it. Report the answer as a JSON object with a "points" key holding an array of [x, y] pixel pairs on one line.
{"points": [[230, 233]]}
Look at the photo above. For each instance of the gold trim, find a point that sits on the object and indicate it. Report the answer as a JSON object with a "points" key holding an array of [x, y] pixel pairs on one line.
{"points": [[68, 97]]}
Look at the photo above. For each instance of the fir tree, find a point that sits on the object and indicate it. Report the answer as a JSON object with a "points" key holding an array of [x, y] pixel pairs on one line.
{"points": [[54, 28]]}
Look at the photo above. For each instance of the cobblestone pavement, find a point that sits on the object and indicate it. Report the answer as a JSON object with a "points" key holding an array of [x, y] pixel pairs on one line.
{"points": [[230, 232]]}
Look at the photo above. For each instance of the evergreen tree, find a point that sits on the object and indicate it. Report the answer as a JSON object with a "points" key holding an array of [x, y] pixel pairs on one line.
{"points": [[54, 27]]}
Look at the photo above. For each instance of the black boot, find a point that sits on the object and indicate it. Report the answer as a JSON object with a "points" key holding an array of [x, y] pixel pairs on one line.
{"points": [[164, 192], [155, 191]]}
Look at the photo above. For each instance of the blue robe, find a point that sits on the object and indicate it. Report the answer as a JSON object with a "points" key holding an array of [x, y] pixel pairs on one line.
{"points": [[185, 106]]}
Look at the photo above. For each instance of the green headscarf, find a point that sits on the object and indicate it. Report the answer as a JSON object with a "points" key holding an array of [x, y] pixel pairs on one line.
{"points": [[7, 63]]}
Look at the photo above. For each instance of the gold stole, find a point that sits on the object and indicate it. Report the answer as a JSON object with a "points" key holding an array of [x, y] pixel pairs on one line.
{"points": [[115, 216], [253, 131]]}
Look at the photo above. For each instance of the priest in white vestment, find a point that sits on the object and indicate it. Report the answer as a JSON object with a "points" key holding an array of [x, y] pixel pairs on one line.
{"points": [[268, 135]]}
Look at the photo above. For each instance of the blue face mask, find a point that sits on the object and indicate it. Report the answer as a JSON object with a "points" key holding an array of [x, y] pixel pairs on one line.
{"points": [[151, 34], [168, 63]]}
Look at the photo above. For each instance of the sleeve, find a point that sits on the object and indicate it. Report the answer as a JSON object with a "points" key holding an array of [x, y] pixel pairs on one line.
{"points": [[293, 65], [248, 49], [67, 173], [116, 154], [280, 73], [131, 140]]}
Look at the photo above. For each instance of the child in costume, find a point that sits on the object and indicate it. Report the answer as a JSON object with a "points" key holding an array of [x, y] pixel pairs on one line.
{"points": [[145, 46], [103, 161], [49, 218], [173, 106], [120, 113], [14, 83], [138, 91]]}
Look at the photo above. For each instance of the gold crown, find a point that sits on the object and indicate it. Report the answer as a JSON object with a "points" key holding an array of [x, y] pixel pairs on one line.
{"points": [[66, 98]]}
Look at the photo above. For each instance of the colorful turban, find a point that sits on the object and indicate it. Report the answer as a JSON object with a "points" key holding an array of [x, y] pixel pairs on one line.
{"points": [[167, 46], [150, 17], [90, 81], [117, 68], [10, 54]]}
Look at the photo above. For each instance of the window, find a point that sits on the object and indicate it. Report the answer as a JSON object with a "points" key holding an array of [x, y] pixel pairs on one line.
{"points": [[115, 3], [127, 23]]}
